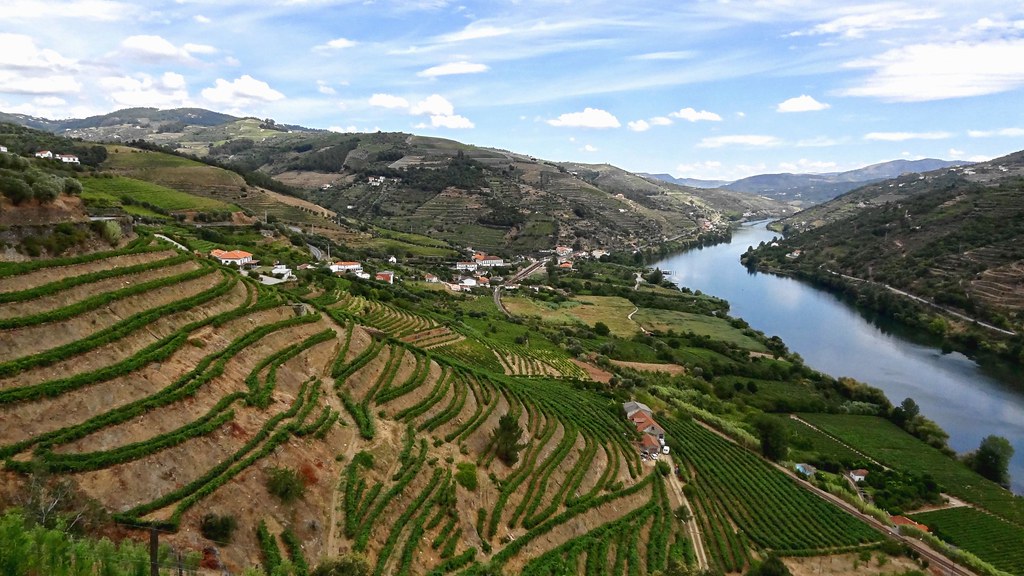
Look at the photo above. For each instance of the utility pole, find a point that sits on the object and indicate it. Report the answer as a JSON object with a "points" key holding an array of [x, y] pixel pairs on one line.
{"points": [[154, 544]]}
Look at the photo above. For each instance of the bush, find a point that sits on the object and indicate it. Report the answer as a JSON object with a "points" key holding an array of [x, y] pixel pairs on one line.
{"points": [[285, 483], [218, 528], [466, 475]]}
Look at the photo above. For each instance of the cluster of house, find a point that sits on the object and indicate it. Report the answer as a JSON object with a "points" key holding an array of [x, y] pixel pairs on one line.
{"points": [[243, 260], [65, 158], [652, 435], [380, 180], [356, 269], [858, 476], [480, 260], [3, 148]]}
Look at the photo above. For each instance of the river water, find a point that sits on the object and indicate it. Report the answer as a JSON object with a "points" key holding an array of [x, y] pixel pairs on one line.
{"points": [[966, 400]]}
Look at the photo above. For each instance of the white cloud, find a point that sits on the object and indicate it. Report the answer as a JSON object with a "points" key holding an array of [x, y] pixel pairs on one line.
{"points": [[435, 105], [1008, 132], [857, 21], [804, 165], [802, 103], [589, 148], [694, 116], [336, 44], [102, 10], [452, 68], [352, 129], [954, 153], [167, 91], [903, 136], [49, 101], [476, 31], [589, 118], [323, 88], [661, 121], [242, 90], [18, 51], [388, 101], [750, 140], [638, 126], [27, 69], [450, 121], [13, 83], [819, 142], [199, 49], [153, 46], [201, 19], [676, 55], [924, 72]]}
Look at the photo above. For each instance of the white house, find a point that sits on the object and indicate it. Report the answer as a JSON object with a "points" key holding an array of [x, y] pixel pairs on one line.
{"points": [[468, 282], [386, 276], [363, 275], [67, 158], [392, 260], [3, 148], [44, 154], [490, 262], [341, 267], [234, 257], [563, 250], [469, 266], [284, 271], [430, 278], [376, 180], [858, 475]]}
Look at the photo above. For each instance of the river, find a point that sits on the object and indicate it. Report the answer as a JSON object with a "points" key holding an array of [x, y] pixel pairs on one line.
{"points": [[967, 401]]}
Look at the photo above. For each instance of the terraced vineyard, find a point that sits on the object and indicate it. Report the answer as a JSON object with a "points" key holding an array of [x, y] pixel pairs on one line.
{"points": [[165, 385], [885, 442], [993, 540], [732, 487]]}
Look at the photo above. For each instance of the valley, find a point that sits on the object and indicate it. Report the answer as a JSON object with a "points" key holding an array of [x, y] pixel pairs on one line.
{"points": [[391, 408]]}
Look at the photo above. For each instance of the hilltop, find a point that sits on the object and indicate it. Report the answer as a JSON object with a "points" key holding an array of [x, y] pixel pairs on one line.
{"points": [[490, 199], [810, 189], [950, 237]]}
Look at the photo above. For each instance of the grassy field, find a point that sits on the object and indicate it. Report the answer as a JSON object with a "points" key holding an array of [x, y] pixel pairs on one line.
{"points": [[611, 310], [715, 328], [805, 442], [890, 445], [119, 187]]}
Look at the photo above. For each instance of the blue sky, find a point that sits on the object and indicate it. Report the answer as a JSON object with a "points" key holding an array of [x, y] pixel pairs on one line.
{"points": [[717, 89]]}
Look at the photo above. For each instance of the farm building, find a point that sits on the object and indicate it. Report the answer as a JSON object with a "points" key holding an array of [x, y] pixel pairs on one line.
{"points": [[858, 475], [232, 257], [632, 407], [805, 469], [386, 276]]}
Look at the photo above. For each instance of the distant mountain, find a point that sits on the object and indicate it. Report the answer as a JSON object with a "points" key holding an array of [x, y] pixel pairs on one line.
{"points": [[691, 182], [809, 189], [494, 200], [951, 236]]}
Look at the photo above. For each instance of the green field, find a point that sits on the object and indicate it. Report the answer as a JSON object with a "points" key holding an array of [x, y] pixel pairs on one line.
{"points": [[893, 447], [700, 324], [993, 540], [589, 310], [168, 199]]}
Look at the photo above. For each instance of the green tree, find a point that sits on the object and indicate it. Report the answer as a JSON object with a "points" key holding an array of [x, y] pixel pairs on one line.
{"points": [[992, 459], [506, 439], [774, 437], [285, 483], [772, 566], [46, 189], [218, 528], [601, 329]]}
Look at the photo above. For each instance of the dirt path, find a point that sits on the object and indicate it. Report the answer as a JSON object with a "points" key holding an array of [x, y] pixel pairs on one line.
{"points": [[676, 494]]}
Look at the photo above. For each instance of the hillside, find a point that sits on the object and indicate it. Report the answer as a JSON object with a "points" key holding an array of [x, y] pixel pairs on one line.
{"points": [[811, 189], [951, 237], [493, 200]]}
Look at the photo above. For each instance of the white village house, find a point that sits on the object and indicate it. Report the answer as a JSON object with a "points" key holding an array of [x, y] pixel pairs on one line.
{"points": [[232, 257]]}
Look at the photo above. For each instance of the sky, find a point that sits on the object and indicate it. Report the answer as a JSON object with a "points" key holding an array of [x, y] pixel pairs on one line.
{"points": [[709, 89]]}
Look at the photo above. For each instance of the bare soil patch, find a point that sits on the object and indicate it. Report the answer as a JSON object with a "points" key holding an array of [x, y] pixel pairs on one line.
{"points": [[38, 338], [79, 293], [673, 369], [842, 564], [125, 347], [53, 274]]}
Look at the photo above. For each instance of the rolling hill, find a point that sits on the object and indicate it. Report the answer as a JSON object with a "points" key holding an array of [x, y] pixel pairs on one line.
{"points": [[951, 237]]}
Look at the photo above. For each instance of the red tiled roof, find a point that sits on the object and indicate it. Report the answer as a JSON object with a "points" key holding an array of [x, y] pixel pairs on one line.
{"points": [[647, 441], [230, 254], [904, 521]]}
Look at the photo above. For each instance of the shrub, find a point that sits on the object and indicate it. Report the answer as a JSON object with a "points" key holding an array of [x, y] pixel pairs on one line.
{"points": [[218, 528], [285, 483], [466, 475]]}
